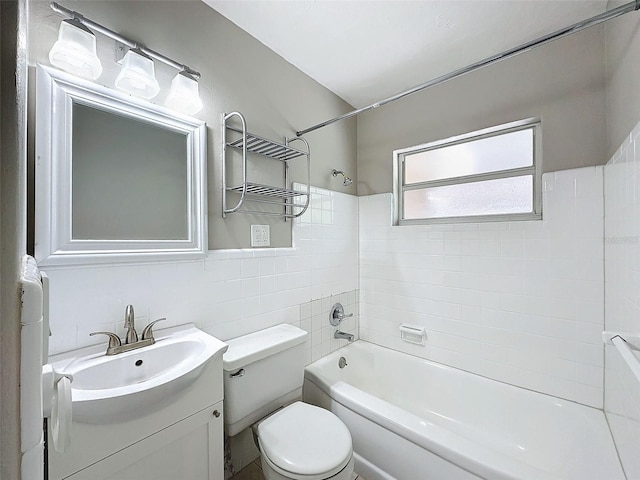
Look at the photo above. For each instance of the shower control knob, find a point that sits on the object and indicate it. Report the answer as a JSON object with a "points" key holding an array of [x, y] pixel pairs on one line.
{"points": [[336, 315]]}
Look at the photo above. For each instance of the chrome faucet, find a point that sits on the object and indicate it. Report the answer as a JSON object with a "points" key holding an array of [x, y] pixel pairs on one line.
{"points": [[131, 341], [129, 324], [347, 336]]}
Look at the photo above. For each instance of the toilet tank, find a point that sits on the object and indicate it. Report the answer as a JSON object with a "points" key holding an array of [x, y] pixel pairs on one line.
{"points": [[262, 372]]}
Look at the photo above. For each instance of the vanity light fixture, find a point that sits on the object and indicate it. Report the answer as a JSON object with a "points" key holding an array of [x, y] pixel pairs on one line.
{"points": [[137, 76], [184, 95], [75, 50]]}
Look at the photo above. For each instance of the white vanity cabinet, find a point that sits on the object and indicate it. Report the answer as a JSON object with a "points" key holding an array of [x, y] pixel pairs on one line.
{"points": [[180, 439], [190, 449]]}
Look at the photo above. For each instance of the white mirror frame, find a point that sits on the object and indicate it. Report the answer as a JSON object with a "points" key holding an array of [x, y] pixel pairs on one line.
{"points": [[55, 94]]}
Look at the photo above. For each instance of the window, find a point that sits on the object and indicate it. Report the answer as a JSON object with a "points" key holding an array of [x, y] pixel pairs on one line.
{"points": [[492, 174]]}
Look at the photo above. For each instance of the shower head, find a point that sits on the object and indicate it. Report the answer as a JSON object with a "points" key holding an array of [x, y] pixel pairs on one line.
{"points": [[346, 182]]}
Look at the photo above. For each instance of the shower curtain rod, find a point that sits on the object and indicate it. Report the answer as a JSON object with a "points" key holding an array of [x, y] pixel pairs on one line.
{"points": [[576, 27]]}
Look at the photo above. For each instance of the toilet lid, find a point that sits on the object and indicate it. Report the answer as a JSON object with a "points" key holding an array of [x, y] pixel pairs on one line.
{"points": [[305, 440]]}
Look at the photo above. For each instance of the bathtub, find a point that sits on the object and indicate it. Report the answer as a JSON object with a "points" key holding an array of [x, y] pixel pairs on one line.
{"points": [[412, 419]]}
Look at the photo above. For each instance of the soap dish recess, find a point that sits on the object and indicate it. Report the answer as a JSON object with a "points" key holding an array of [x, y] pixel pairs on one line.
{"points": [[413, 334]]}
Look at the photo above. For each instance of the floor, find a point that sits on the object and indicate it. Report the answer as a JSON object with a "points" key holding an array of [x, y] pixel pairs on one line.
{"points": [[253, 471]]}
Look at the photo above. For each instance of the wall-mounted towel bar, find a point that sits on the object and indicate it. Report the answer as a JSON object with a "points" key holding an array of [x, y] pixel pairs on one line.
{"points": [[625, 343]]}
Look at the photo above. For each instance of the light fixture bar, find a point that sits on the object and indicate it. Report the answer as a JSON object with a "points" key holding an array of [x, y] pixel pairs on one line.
{"points": [[65, 12], [576, 27]]}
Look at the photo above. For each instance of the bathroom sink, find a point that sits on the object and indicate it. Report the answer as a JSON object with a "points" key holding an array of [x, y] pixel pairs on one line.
{"points": [[116, 388]]}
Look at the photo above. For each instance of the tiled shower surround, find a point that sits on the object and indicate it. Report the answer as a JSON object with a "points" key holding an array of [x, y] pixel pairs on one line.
{"points": [[519, 302], [230, 293], [622, 295]]}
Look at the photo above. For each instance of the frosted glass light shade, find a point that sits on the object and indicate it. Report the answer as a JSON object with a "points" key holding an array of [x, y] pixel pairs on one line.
{"points": [[184, 95], [137, 76], [75, 50]]}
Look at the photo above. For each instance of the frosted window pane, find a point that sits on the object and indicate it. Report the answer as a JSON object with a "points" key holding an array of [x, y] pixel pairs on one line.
{"points": [[502, 152], [489, 197]]}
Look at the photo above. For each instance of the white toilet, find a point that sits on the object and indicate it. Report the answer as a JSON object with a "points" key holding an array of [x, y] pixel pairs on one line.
{"points": [[263, 375]]}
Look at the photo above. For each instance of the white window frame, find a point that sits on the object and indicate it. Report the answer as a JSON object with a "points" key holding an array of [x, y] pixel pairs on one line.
{"points": [[399, 185]]}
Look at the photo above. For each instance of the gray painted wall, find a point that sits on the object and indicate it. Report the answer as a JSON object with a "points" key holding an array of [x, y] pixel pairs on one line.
{"points": [[13, 66], [623, 77], [238, 73], [561, 82]]}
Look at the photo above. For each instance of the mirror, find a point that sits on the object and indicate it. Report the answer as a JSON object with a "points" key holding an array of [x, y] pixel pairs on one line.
{"points": [[117, 179]]}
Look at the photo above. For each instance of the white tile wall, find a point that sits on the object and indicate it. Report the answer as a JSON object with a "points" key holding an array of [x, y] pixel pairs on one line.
{"points": [[314, 318], [230, 293], [518, 302], [622, 298]]}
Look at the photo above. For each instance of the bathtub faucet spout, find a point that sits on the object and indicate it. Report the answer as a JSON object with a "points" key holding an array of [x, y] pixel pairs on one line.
{"points": [[340, 334]]}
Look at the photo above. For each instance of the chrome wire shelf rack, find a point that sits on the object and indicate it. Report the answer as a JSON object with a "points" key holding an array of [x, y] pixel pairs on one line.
{"points": [[266, 190], [263, 146], [291, 202]]}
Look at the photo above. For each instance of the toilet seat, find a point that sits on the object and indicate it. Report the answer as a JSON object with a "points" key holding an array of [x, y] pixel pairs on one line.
{"points": [[273, 472], [305, 442]]}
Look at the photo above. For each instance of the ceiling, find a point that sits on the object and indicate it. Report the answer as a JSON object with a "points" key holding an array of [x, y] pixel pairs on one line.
{"points": [[368, 50]]}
